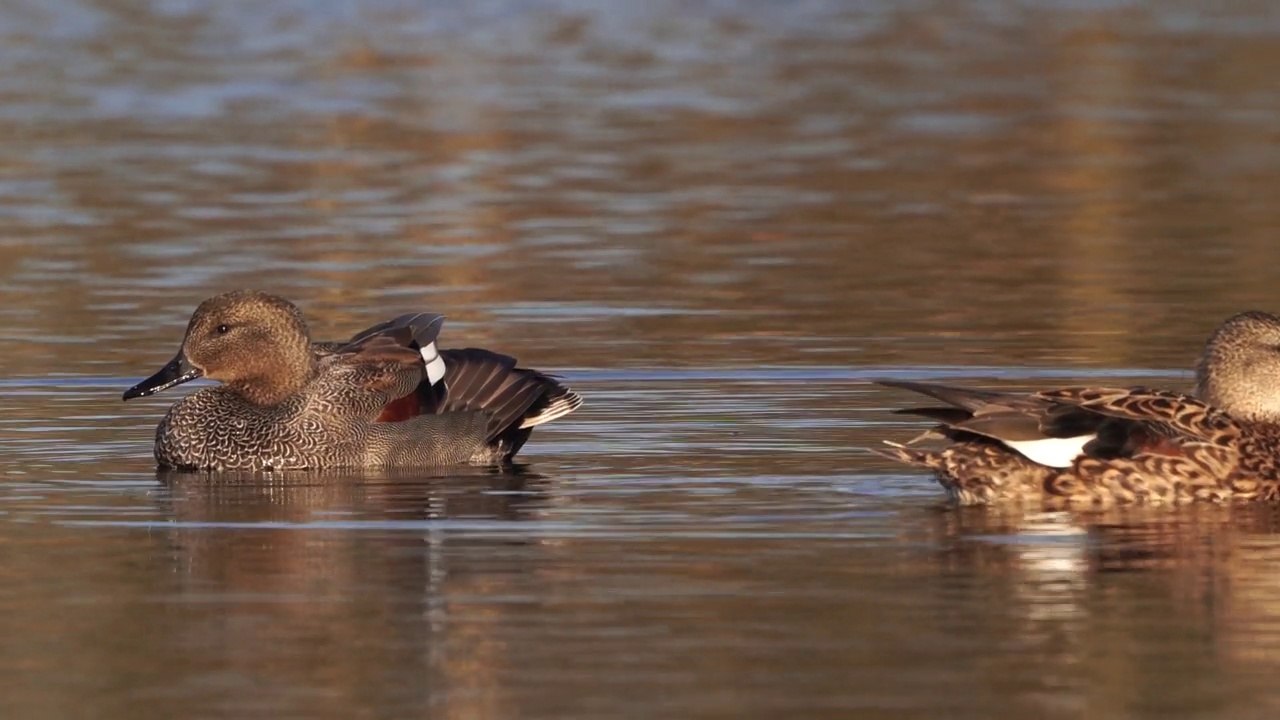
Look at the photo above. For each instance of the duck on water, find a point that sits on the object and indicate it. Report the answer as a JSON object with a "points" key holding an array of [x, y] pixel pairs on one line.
{"points": [[388, 397], [1097, 447]]}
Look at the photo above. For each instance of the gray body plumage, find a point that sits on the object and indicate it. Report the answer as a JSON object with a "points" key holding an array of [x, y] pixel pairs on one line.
{"points": [[214, 429]]}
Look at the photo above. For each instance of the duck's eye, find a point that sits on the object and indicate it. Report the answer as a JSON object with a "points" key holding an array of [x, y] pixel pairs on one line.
{"points": [[224, 329]]}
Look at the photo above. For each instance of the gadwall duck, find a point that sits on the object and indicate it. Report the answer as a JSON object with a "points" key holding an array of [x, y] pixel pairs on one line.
{"points": [[1110, 446], [388, 397]]}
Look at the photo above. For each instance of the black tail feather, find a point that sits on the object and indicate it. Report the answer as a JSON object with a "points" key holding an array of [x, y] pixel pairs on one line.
{"points": [[476, 376], [515, 399]]}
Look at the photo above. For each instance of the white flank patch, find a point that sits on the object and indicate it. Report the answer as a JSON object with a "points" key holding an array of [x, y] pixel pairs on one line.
{"points": [[435, 363], [1051, 452]]}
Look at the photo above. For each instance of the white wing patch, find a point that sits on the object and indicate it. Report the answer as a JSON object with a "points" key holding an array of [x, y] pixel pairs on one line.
{"points": [[435, 363], [1051, 452]]}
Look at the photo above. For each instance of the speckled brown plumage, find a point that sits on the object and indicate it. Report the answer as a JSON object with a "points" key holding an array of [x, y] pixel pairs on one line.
{"points": [[1138, 445], [288, 403]]}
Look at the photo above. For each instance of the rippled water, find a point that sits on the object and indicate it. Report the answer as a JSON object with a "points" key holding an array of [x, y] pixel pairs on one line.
{"points": [[718, 221]]}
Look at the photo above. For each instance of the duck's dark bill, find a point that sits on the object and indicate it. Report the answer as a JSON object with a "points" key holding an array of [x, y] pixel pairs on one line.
{"points": [[176, 372]]}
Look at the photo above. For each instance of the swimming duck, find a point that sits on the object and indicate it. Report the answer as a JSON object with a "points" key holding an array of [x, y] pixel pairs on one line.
{"points": [[1094, 446], [388, 397]]}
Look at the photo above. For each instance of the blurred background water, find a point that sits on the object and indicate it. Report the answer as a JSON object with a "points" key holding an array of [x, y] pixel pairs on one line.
{"points": [[717, 220]]}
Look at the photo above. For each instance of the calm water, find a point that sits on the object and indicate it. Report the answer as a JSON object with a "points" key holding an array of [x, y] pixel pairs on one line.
{"points": [[717, 220]]}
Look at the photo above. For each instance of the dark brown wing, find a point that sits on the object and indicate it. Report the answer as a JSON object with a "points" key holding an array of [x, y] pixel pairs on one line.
{"points": [[414, 330], [999, 416], [514, 398], [362, 379], [419, 328]]}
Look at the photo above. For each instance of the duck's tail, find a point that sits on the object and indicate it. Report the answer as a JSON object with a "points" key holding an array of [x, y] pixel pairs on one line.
{"points": [[909, 456], [514, 399]]}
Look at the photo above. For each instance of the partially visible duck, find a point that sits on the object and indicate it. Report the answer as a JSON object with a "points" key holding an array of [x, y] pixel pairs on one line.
{"points": [[1108, 446]]}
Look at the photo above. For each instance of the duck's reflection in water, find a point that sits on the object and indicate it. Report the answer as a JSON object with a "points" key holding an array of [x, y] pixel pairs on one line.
{"points": [[356, 569], [1097, 592]]}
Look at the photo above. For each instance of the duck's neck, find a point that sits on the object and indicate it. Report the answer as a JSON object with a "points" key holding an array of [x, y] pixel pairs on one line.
{"points": [[282, 383]]}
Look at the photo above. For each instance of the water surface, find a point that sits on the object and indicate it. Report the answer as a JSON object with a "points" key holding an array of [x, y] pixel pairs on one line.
{"points": [[718, 221]]}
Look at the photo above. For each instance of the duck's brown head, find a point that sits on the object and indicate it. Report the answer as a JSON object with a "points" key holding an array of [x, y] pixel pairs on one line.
{"points": [[255, 343], [1239, 371]]}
